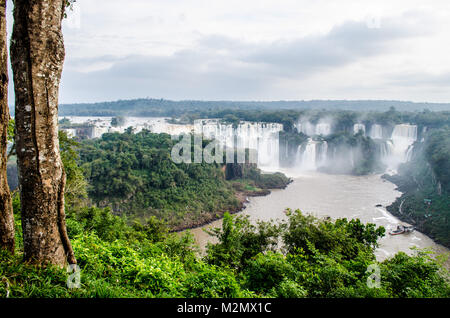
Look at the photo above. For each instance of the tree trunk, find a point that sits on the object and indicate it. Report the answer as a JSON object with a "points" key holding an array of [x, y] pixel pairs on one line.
{"points": [[37, 56], [6, 213]]}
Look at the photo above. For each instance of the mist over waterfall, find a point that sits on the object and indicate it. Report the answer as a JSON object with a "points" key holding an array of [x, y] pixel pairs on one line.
{"points": [[323, 127], [401, 145], [306, 156], [352, 147], [359, 127], [376, 131], [323, 144], [262, 137], [312, 155]]}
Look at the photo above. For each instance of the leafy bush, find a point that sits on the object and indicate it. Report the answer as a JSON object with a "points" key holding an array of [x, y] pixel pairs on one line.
{"points": [[267, 271]]}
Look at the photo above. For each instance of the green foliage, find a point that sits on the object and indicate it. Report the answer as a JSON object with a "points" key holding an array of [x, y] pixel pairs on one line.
{"points": [[426, 177], [265, 272], [275, 180], [240, 240], [76, 184], [209, 281], [135, 176], [348, 238], [19, 280], [302, 256], [154, 230], [117, 260], [437, 152], [417, 276], [322, 258], [102, 222], [64, 122], [11, 130]]}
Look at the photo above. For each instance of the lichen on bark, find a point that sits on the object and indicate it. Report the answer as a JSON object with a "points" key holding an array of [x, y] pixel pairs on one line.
{"points": [[37, 57]]}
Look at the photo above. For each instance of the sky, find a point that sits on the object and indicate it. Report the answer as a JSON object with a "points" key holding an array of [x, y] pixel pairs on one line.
{"points": [[256, 50]]}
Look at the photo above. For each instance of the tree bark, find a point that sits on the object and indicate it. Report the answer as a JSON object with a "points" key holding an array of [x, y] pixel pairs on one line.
{"points": [[6, 212], [37, 56]]}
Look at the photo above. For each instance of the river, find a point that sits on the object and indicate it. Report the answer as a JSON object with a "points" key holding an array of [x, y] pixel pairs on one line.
{"points": [[336, 196]]}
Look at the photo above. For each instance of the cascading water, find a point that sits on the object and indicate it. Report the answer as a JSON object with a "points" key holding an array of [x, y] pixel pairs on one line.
{"points": [[359, 127], [385, 148], [403, 137], [306, 158], [376, 131], [262, 137], [312, 155], [424, 131], [409, 153], [323, 153], [352, 158]]}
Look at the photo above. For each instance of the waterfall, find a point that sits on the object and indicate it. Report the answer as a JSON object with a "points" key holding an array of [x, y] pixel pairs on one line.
{"points": [[311, 155], [376, 131], [409, 153], [424, 131], [405, 131], [323, 154], [352, 159], [359, 127], [307, 158], [403, 137], [262, 137], [385, 149]]}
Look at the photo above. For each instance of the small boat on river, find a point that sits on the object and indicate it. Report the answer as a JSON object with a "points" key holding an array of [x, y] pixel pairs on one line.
{"points": [[402, 229]]}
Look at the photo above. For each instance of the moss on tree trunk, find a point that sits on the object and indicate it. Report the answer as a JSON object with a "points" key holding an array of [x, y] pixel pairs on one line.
{"points": [[6, 213]]}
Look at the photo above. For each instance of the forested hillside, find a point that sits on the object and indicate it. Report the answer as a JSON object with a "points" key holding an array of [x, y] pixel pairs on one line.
{"points": [[101, 218], [425, 181], [135, 176], [122, 257]]}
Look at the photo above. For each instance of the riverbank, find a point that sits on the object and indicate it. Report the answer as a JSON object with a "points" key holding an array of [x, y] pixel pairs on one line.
{"points": [[419, 208], [243, 198], [336, 196]]}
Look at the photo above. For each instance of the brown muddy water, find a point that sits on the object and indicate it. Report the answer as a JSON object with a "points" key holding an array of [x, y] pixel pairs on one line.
{"points": [[336, 196]]}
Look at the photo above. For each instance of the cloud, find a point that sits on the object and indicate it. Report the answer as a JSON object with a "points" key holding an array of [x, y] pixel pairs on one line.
{"points": [[222, 67], [183, 75], [344, 44], [424, 79], [256, 49]]}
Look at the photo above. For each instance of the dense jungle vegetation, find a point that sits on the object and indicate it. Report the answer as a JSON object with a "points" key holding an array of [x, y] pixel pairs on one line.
{"points": [[135, 176], [121, 257], [425, 183], [319, 258]]}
